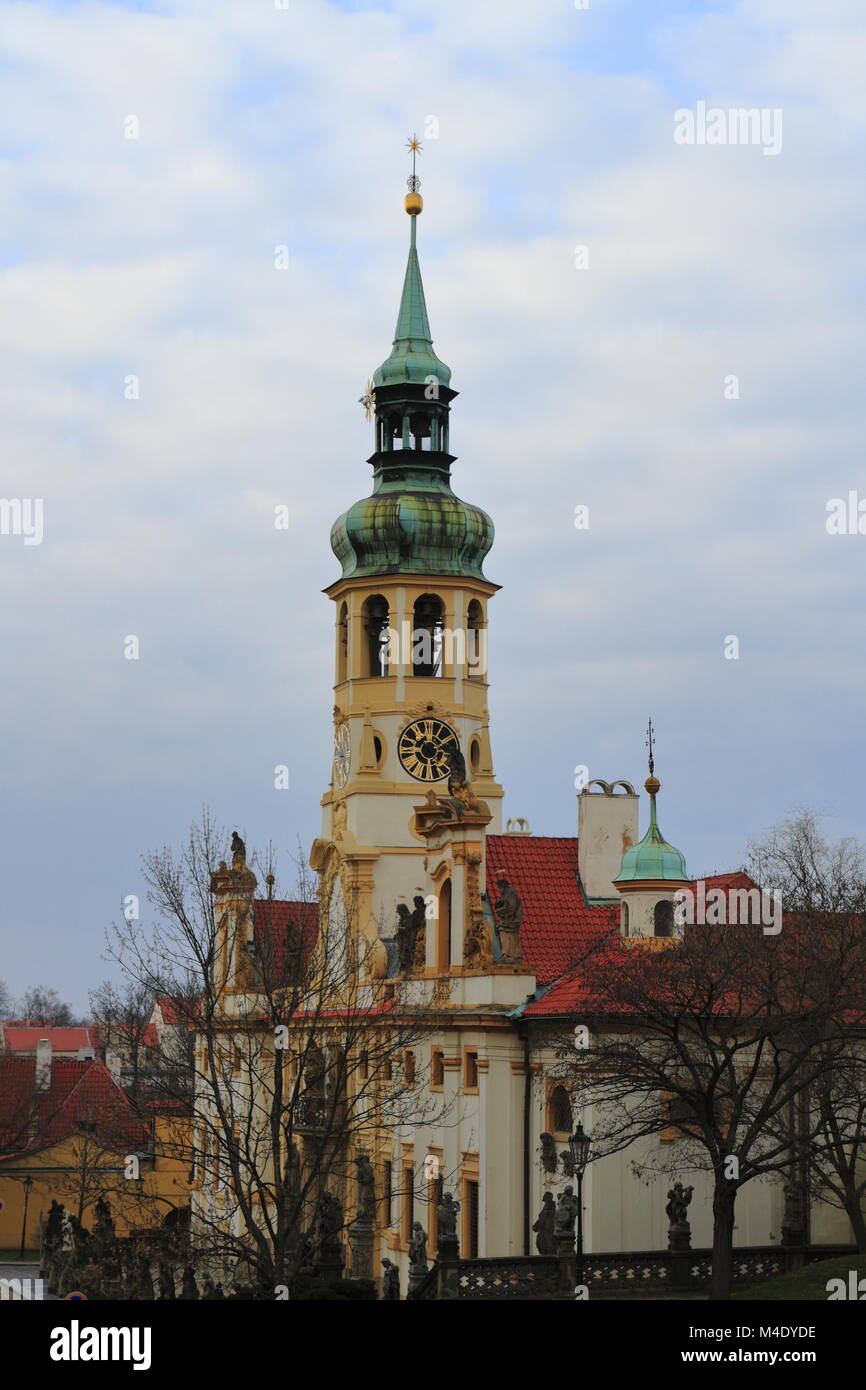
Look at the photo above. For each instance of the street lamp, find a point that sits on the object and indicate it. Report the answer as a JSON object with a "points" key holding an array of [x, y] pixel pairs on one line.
{"points": [[579, 1144], [28, 1183]]}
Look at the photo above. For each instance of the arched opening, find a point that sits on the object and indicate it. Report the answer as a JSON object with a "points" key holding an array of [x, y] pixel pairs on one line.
{"points": [[427, 636], [663, 918], [343, 644], [559, 1111], [378, 750], [474, 755], [443, 938], [625, 919], [376, 627], [476, 642]]}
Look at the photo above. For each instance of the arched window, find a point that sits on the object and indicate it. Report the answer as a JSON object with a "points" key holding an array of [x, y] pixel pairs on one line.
{"points": [[625, 919], [663, 918], [559, 1111], [476, 642], [474, 755], [376, 627], [343, 644], [443, 939], [427, 636]]}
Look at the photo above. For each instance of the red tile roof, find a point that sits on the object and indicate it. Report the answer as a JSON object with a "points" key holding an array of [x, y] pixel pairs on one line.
{"points": [[80, 1094], [559, 926], [283, 928], [23, 1038]]}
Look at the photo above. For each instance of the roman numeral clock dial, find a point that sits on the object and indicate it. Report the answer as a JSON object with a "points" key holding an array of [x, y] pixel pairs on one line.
{"points": [[424, 747]]}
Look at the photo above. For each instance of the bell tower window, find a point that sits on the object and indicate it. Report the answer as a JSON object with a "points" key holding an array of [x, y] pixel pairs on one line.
{"points": [[427, 636], [443, 938], [342, 644], [475, 642], [663, 918], [376, 627]]}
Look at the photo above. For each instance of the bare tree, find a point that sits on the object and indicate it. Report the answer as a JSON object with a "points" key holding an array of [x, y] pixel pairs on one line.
{"points": [[303, 1063], [44, 1004], [828, 1132], [720, 1036], [121, 1015]]}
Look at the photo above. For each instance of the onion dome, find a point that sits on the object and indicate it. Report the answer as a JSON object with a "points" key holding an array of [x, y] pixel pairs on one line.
{"points": [[653, 859]]}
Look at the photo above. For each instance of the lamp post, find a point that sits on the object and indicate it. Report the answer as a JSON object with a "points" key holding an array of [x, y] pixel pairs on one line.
{"points": [[28, 1183], [579, 1144]]}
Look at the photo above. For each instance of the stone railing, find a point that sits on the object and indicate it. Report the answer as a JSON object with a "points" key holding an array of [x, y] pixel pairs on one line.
{"points": [[553, 1277]]}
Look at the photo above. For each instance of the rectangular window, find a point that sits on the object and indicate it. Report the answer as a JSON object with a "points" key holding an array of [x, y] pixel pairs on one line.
{"points": [[408, 1201], [470, 1071], [409, 1067], [437, 1068], [470, 1197], [387, 1188], [434, 1197]]}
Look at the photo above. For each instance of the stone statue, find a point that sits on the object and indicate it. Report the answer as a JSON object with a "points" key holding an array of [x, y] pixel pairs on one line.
{"points": [[405, 938], [67, 1236], [509, 918], [366, 1189], [566, 1212], [239, 851], [390, 1282], [330, 1221], [418, 1249], [545, 1240], [567, 1162], [165, 1281], [679, 1198], [456, 770], [548, 1153], [103, 1226], [446, 1214], [419, 926], [189, 1288]]}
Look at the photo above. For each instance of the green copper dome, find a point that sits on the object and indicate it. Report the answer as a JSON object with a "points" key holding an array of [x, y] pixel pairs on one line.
{"points": [[412, 357], [653, 858], [414, 525]]}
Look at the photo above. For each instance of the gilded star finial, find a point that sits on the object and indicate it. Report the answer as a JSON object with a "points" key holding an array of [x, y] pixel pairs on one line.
{"points": [[368, 400], [414, 145]]}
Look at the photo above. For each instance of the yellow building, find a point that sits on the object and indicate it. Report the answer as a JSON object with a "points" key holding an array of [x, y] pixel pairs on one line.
{"points": [[68, 1133]]}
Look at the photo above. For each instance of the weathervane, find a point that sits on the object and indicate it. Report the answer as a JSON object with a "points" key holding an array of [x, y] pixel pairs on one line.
{"points": [[414, 144], [649, 743]]}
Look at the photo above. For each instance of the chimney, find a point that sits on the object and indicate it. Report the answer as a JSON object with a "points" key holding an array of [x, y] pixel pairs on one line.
{"points": [[43, 1065], [606, 828], [113, 1063]]}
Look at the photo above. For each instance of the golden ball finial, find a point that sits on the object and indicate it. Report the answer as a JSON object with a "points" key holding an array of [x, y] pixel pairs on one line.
{"points": [[652, 785], [413, 203]]}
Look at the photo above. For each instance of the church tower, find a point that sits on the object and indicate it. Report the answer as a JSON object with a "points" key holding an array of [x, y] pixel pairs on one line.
{"points": [[410, 629]]}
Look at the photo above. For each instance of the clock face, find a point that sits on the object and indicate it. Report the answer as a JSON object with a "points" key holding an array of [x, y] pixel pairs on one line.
{"points": [[342, 755], [424, 747]]}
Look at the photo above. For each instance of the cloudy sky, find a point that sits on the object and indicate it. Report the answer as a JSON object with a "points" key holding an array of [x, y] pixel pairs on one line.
{"points": [[548, 128]]}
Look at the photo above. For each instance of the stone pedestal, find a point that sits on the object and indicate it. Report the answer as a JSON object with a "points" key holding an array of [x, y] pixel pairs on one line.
{"points": [[567, 1257], [680, 1246], [361, 1242], [417, 1275]]}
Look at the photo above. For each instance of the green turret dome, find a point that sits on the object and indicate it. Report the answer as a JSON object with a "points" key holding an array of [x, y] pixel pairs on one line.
{"points": [[413, 523], [653, 858]]}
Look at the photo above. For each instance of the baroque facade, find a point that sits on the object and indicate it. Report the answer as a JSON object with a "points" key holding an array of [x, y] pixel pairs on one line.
{"points": [[477, 926]]}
